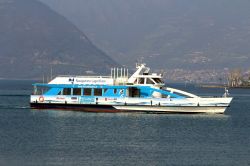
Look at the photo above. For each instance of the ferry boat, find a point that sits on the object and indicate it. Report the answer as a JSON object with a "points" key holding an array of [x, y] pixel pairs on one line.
{"points": [[143, 91]]}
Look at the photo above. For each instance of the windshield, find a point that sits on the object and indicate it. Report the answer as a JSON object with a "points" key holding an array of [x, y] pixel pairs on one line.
{"points": [[158, 80]]}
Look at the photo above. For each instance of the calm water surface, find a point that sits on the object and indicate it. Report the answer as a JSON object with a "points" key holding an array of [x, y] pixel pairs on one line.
{"points": [[41, 138]]}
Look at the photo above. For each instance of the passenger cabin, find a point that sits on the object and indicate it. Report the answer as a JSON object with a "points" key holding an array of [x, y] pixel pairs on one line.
{"points": [[98, 91], [85, 91], [141, 84]]}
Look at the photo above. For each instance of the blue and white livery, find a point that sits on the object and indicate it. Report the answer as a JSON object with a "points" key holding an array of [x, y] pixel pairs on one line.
{"points": [[141, 92]]}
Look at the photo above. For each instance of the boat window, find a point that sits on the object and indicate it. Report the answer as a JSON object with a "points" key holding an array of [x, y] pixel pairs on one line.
{"points": [[35, 91], [67, 91], [149, 81], [98, 92], [87, 92], [115, 91], [60, 93], [105, 90], [135, 81], [165, 96], [134, 92], [77, 91], [141, 81], [157, 80], [40, 90]]}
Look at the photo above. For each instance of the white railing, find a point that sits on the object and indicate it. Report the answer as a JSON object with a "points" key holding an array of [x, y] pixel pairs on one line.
{"points": [[78, 76]]}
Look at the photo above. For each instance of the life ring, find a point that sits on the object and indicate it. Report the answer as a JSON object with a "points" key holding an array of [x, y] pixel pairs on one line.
{"points": [[41, 99]]}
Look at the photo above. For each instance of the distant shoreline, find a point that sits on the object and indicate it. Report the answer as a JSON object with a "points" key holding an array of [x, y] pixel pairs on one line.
{"points": [[19, 79], [222, 86], [197, 85]]}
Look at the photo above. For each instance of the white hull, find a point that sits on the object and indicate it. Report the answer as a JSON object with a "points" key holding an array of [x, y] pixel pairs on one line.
{"points": [[176, 109], [187, 105]]}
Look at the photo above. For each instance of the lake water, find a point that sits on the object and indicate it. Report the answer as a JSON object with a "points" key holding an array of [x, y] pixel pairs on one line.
{"points": [[41, 138]]}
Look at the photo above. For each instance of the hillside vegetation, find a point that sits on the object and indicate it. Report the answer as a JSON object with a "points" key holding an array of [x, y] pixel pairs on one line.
{"points": [[191, 34], [34, 39]]}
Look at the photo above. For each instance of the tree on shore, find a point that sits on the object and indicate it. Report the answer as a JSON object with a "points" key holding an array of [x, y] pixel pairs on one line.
{"points": [[235, 78]]}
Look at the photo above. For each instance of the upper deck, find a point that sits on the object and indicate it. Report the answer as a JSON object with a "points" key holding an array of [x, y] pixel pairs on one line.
{"points": [[83, 80], [118, 76]]}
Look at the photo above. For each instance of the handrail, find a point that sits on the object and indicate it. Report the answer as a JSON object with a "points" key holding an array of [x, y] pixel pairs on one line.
{"points": [[84, 76], [173, 90]]}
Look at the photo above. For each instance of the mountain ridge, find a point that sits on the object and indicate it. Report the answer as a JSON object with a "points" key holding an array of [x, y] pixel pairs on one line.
{"points": [[35, 39], [166, 33]]}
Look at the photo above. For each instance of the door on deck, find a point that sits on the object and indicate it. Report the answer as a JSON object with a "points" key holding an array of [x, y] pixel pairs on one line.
{"points": [[134, 92]]}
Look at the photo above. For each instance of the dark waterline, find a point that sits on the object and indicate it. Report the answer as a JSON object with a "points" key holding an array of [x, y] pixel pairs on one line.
{"points": [[49, 137]]}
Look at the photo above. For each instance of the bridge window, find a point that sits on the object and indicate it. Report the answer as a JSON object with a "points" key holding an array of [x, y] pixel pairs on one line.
{"points": [[157, 80], [87, 92], [141, 81], [77, 91], [67, 91], [98, 92], [136, 81], [149, 81]]}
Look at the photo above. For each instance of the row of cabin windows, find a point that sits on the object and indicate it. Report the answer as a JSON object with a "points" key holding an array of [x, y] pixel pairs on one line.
{"points": [[132, 92], [85, 91]]}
